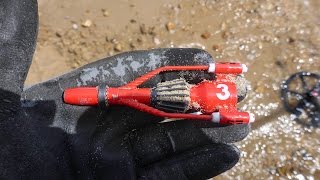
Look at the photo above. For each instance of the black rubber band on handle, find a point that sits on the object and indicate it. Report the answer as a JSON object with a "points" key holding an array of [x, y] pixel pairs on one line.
{"points": [[102, 96]]}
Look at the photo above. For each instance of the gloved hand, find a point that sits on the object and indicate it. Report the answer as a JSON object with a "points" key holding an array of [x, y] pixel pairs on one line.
{"points": [[43, 138]]}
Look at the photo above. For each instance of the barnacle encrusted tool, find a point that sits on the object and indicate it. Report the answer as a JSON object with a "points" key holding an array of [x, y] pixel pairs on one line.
{"points": [[210, 100]]}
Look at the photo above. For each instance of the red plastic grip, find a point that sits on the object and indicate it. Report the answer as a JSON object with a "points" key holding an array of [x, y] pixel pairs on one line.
{"points": [[137, 82], [85, 96], [234, 117], [229, 68]]}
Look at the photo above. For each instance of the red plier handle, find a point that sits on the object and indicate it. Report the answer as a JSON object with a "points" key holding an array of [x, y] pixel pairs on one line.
{"points": [[218, 68], [222, 117], [91, 95]]}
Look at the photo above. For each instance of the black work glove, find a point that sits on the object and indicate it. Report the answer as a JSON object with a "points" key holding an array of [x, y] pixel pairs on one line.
{"points": [[43, 138]]}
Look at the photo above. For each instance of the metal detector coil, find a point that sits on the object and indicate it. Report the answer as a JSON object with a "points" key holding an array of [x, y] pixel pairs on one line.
{"points": [[300, 95]]}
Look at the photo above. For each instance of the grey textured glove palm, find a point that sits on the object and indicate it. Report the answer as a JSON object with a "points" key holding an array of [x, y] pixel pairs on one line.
{"points": [[43, 138]]}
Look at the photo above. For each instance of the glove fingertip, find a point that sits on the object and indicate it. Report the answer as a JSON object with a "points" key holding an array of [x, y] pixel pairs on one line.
{"points": [[200, 163], [227, 134]]}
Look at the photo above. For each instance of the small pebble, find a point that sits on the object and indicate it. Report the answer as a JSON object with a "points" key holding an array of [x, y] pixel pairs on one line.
{"points": [[59, 34], [151, 31], [105, 13], [156, 41], [132, 45], [205, 35], [143, 29], [114, 41], [280, 64], [290, 40], [118, 47], [87, 23], [170, 26], [75, 26], [216, 47], [223, 26], [226, 34], [110, 53]]}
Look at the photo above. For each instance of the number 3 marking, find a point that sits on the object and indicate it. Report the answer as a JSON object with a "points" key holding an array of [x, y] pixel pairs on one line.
{"points": [[225, 92]]}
